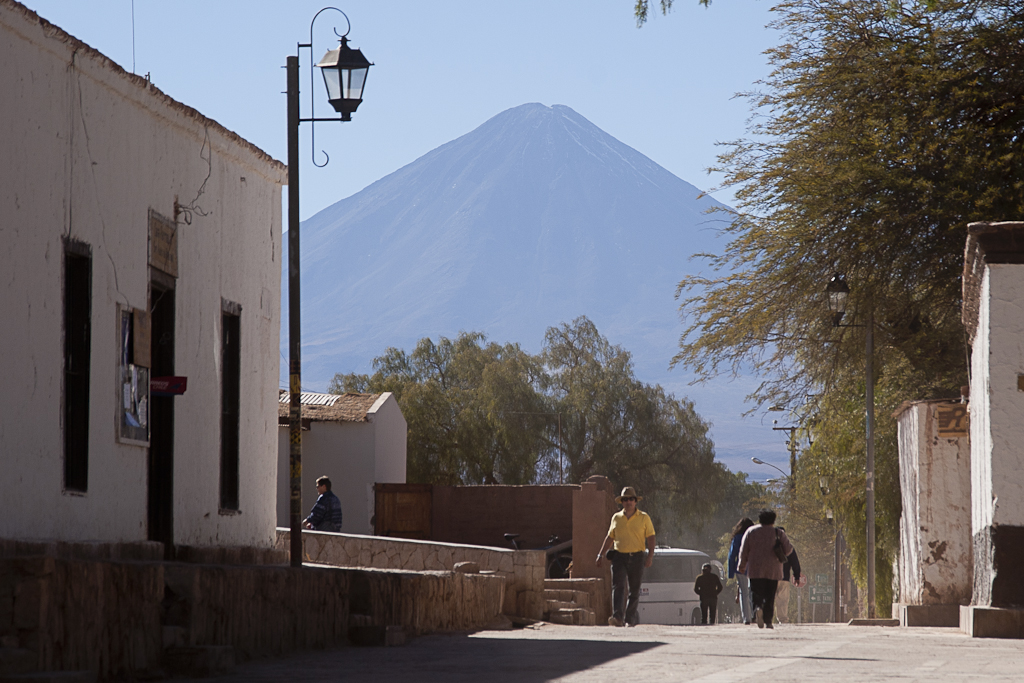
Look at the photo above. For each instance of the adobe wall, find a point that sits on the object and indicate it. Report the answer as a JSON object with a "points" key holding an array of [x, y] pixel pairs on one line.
{"points": [[88, 151], [593, 507], [482, 515], [993, 290], [936, 559]]}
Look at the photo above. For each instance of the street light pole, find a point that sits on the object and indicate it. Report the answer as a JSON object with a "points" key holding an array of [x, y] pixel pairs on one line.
{"points": [[870, 401], [344, 71], [838, 292], [294, 319]]}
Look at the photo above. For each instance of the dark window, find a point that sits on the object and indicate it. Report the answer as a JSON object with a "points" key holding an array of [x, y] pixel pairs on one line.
{"points": [[77, 337], [674, 569], [231, 361]]}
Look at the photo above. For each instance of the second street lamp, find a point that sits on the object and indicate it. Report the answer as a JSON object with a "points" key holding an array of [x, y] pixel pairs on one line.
{"points": [[837, 292], [758, 461], [345, 71]]}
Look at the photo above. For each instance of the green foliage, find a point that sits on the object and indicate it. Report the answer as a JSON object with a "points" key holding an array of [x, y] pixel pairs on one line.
{"points": [[471, 409], [883, 130], [484, 413]]}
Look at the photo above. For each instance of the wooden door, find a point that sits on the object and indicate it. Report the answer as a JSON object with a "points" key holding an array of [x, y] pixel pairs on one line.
{"points": [[403, 510]]}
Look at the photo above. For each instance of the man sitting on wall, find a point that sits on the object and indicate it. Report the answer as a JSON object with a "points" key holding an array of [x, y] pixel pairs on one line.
{"points": [[326, 513]]}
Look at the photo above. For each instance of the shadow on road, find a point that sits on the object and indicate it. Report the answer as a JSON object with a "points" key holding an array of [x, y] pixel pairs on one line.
{"points": [[450, 658]]}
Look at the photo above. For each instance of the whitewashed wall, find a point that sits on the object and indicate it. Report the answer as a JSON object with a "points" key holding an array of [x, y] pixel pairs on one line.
{"points": [[935, 527], [997, 406], [355, 455], [88, 150]]}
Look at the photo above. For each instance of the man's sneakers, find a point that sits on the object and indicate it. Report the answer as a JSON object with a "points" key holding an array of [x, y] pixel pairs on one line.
{"points": [[612, 621], [759, 615]]}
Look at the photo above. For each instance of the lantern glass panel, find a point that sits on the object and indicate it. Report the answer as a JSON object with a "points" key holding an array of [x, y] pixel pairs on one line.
{"points": [[356, 81], [333, 82], [837, 301]]}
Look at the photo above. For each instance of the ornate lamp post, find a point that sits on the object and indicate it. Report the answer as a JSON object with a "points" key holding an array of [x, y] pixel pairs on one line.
{"points": [[344, 71], [838, 293]]}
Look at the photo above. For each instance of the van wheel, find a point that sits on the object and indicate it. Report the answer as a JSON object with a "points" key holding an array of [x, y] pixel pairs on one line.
{"points": [[695, 616]]}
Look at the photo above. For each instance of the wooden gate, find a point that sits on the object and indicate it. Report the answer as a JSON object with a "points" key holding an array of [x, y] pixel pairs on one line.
{"points": [[403, 510]]}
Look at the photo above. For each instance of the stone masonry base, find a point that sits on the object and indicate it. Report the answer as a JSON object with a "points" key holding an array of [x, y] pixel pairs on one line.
{"points": [[991, 622], [120, 619]]}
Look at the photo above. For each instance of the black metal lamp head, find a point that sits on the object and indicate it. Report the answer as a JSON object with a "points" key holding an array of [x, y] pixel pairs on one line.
{"points": [[838, 294], [345, 71]]}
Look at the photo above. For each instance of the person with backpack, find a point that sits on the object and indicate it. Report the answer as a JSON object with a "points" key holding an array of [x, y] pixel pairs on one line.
{"points": [[763, 551]]}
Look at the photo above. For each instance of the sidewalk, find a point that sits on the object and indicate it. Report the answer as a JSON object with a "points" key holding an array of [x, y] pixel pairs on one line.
{"points": [[723, 653]]}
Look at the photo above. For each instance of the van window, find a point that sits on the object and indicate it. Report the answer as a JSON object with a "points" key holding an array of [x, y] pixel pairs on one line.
{"points": [[673, 569]]}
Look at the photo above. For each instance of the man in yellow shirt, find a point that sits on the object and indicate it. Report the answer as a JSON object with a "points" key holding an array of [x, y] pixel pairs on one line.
{"points": [[632, 534]]}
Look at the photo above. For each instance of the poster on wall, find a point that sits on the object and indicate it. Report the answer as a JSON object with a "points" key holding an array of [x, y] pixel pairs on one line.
{"points": [[133, 386]]}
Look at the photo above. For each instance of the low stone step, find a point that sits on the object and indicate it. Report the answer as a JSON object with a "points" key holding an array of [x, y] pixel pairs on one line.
{"points": [[578, 598], [572, 617]]}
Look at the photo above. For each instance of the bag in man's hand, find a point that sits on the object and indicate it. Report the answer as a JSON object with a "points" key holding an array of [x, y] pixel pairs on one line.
{"points": [[780, 552]]}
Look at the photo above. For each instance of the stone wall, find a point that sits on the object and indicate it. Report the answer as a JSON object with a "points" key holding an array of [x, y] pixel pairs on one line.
{"points": [[523, 570], [113, 618], [70, 615]]}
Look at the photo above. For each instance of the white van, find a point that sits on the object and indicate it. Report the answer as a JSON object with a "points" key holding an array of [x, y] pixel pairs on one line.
{"points": [[666, 594]]}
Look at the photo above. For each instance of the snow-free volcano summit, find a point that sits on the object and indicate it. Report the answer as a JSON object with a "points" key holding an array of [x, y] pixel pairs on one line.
{"points": [[532, 219]]}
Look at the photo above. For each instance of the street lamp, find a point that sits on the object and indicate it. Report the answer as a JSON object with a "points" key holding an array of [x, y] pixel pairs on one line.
{"points": [[344, 72], [758, 461], [838, 293]]}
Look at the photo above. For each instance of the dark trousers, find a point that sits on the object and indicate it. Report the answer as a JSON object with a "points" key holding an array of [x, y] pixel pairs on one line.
{"points": [[762, 595], [709, 611], [627, 569]]}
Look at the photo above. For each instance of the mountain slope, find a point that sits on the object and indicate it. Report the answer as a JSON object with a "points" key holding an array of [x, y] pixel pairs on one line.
{"points": [[534, 218]]}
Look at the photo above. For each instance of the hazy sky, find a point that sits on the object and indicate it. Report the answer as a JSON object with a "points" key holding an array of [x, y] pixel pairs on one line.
{"points": [[443, 68]]}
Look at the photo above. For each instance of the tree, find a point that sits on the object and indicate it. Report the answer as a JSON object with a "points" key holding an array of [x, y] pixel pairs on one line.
{"points": [[471, 409], [883, 130], [484, 413], [634, 433]]}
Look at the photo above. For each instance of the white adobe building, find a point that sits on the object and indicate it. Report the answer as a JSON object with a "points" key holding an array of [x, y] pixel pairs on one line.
{"points": [[138, 239], [993, 287], [936, 548], [355, 439]]}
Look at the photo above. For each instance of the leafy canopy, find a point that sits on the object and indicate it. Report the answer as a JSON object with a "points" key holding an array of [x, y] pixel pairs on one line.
{"points": [[884, 128], [486, 413]]}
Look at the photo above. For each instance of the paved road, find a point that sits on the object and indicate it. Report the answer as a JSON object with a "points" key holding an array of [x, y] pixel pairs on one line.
{"points": [[724, 654]]}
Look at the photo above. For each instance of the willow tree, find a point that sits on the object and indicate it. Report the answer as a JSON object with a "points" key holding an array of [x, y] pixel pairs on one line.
{"points": [[471, 408], [884, 128]]}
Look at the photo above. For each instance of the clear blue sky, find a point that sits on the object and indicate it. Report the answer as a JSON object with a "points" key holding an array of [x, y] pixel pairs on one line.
{"points": [[443, 68]]}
